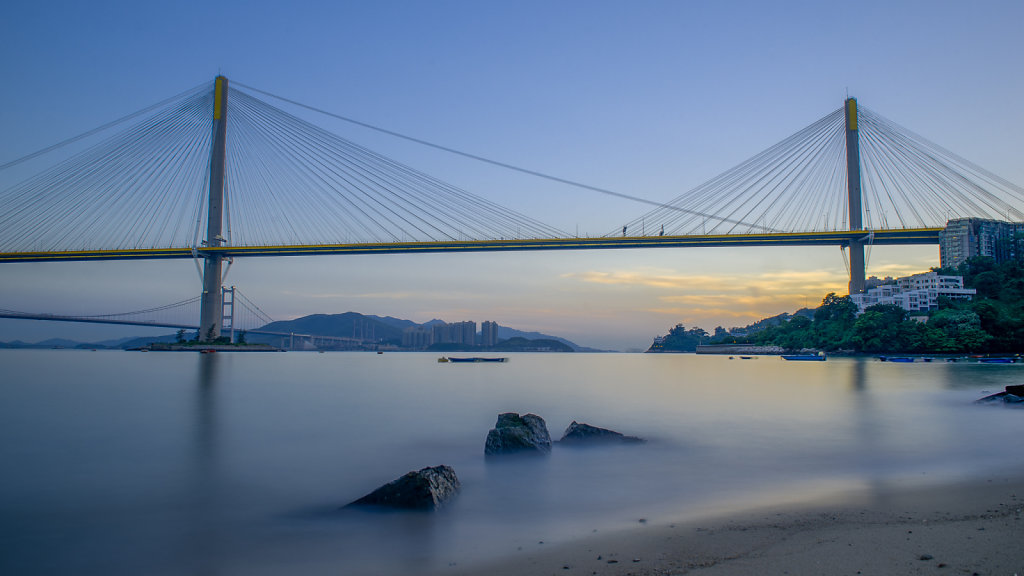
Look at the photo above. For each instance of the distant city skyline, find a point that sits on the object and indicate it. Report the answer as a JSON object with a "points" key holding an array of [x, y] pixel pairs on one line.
{"points": [[649, 98]]}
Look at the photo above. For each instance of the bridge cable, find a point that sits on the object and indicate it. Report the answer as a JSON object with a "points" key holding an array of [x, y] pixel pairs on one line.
{"points": [[99, 129], [485, 159]]}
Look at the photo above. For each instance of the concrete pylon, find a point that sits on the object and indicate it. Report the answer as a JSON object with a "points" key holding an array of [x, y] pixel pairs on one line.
{"points": [[212, 304], [857, 268]]}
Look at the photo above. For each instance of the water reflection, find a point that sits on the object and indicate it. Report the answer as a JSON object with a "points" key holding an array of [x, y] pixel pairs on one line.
{"points": [[206, 414], [203, 534], [858, 375]]}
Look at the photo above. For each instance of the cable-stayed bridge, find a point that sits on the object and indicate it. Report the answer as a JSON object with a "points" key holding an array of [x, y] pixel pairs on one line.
{"points": [[178, 180], [240, 315]]}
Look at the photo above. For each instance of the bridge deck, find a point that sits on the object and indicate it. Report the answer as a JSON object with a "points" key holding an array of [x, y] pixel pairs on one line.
{"points": [[877, 237]]}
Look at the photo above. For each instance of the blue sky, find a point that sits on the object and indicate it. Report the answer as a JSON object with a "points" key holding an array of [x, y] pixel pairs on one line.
{"points": [[647, 98]]}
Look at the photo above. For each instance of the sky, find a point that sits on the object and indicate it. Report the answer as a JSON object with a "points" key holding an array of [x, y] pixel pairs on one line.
{"points": [[648, 98]]}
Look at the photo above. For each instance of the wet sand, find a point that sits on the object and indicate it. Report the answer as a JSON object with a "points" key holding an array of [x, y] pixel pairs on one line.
{"points": [[908, 527]]}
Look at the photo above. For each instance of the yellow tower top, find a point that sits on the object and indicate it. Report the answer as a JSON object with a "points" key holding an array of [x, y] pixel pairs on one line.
{"points": [[851, 113]]}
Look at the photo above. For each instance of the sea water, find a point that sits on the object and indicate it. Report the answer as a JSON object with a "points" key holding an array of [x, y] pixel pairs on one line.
{"points": [[239, 463]]}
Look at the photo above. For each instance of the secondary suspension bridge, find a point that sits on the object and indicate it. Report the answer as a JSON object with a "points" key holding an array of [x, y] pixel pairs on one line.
{"points": [[170, 185]]}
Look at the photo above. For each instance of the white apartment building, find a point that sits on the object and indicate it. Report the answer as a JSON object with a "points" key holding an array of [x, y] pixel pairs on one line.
{"points": [[915, 293]]}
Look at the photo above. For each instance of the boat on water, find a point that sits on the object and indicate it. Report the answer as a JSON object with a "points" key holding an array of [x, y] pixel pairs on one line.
{"points": [[473, 359], [903, 359], [996, 360], [804, 357]]}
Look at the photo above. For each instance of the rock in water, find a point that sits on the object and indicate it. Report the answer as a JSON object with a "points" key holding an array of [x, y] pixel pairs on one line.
{"points": [[1014, 394], [427, 489], [578, 433], [514, 433]]}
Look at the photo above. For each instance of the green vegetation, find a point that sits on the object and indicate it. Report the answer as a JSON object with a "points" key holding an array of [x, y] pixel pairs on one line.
{"points": [[993, 322], [679, 339]]}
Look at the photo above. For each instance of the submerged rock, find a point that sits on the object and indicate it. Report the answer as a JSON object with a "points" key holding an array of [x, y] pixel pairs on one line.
{"points": [[426, 489], [1014, 394], [578, 433], [514, 433]]}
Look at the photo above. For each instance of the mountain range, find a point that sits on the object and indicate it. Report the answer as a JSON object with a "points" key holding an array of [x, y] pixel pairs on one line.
{"points": [[346, 325]]}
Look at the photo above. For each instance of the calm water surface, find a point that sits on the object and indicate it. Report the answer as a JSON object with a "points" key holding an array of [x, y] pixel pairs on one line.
{"points": [[179, 463]]}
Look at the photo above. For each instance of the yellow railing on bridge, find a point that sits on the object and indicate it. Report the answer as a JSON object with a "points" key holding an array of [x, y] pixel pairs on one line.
{"points": [[840, 238]]}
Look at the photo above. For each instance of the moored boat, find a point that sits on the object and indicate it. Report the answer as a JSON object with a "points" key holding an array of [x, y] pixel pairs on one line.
{"points": [[996, 360], [475, 359], [804, 357]]}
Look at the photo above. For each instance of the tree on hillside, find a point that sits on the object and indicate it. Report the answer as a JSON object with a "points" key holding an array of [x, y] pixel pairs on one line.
{"points": [[962, 327], [683, 340], [833, 322], [879, 329]]}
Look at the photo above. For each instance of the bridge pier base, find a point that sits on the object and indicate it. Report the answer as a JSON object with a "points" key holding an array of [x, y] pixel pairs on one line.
{"points": [[857, 267], [211, 307]]}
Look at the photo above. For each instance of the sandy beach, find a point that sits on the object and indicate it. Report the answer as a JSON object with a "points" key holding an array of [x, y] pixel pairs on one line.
{"points": [[907, 527]]}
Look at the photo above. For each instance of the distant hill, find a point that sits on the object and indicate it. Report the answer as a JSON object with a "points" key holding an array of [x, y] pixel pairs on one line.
{"points": [[386, 329], [518, 344], [382, 329], [347, 325], [141, 341], [51, 343], [506, 333], [774, 321]]}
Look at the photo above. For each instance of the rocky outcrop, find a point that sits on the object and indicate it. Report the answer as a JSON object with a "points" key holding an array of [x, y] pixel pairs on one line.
{"points": [[427, 489], [1014, 394], [739, 349], [582, 434], [518, 434]]}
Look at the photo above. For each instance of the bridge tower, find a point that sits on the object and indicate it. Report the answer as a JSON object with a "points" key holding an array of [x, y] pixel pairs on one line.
{"points": [[856, 222], [212, 304]]}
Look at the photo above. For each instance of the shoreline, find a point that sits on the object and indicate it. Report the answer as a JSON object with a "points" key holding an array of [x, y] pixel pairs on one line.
{"points": [[970, 526]]}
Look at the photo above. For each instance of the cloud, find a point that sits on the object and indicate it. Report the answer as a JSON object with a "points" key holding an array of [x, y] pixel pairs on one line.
{"points": [[384, 295], [732, 299], [779, 282]]}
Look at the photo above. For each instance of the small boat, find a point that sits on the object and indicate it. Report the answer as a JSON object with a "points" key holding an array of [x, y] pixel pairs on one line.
{"points": [[804, 357], [442, 359], [475, 359], [899, 359], [996, 360]]}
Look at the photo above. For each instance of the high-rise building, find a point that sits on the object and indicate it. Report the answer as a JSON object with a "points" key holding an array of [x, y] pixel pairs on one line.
{"points": [[417, 337], [488, 333], [454, 333], [969, 237], [465, 332], [441, 333]]}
